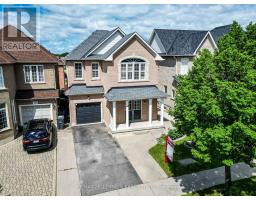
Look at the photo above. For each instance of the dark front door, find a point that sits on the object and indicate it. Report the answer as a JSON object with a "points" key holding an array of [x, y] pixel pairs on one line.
{"points": [[88, 113], [135, 110]]}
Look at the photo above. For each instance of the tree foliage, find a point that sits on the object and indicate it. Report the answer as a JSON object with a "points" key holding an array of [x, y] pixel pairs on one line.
{"points": [[216, 101]]}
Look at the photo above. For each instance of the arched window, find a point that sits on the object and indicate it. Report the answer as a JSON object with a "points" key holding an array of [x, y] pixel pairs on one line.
{"points": [[133, 69]]}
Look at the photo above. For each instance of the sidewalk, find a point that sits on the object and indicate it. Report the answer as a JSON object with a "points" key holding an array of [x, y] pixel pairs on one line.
{"points": [[67, 174], [184, 184]]}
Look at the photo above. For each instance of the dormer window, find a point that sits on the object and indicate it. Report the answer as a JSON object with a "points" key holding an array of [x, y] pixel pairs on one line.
{"points": [[133, 69]]}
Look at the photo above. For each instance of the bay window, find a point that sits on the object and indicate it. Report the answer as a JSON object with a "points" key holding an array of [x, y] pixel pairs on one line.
{"points": [[3, 117], [133, 69], [33, 73], [1, 78]]}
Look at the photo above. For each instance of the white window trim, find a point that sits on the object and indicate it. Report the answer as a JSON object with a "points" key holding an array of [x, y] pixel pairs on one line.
{"points": [[30, 74], [7, 118], [75, 78], [2, 76], [181, 65], [133, 80], [95, 78]]}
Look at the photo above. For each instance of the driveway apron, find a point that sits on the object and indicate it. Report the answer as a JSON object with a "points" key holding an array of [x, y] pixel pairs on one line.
{"points": [[102, 164]]}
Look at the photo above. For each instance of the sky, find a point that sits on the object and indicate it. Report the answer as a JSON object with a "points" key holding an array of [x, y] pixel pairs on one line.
{"points": [[63, 27]]}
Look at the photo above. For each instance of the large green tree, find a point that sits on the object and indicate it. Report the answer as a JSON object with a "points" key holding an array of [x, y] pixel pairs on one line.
{"points": [[216, 101]]}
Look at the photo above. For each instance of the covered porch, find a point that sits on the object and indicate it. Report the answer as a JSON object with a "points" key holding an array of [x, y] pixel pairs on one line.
{"points": [[135, 108]]}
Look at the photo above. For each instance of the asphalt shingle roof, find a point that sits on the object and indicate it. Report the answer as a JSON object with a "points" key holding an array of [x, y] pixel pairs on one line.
{"points": [[84, 90], [88, 44], [133, 93], [185, 42], [219, 32], [180, 42]]}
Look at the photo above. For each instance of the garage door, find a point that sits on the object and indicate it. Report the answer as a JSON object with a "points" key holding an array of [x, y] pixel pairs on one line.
{"points": [[35, 112], [88, 113]]}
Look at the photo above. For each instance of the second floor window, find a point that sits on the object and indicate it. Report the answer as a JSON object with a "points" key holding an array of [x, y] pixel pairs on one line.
{"points": [[1, 78], [184, 66], [95, 71], [133, 69], [34, 73], [78, 71]]}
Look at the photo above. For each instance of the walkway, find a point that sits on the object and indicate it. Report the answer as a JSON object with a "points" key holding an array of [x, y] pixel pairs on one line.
{"points": [[67, 173], [186, 183], [135, 147]]}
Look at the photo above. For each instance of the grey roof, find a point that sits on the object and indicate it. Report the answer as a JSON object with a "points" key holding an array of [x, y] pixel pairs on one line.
{"points": [[84, 90], [218, 32], [134, 92], [88, 44], [185, 42], [111, 50], [180, 42]]}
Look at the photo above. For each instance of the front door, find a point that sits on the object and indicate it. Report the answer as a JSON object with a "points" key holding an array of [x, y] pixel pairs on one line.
{"points": [[135, 110]]}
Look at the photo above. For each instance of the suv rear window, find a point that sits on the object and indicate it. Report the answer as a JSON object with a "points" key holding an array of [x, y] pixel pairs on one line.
{"points": [[36, 125]]}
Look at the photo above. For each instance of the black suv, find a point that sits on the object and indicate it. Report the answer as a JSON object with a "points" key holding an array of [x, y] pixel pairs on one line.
{"points": [[38, 135]]}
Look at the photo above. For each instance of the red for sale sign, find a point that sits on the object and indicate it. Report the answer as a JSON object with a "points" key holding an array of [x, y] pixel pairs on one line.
{"points": [[169, 149]]}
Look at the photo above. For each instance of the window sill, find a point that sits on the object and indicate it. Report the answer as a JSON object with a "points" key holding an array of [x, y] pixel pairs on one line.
{"points": [[35, 83], [79, 79], [95, 79], [4, 88], [133, 81]]}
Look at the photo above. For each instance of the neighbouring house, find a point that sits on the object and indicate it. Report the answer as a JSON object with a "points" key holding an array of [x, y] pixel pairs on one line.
{"points": [[112, 79], [179, 48], [29, 85]]}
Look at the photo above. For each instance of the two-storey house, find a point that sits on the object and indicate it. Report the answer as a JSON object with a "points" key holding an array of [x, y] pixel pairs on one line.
{"points": [[29, 85], [113, 79], [179, 48]]}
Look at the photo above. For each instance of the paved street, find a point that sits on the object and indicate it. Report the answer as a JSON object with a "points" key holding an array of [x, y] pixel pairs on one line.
{"points": [[101, 163], [135, 147], [184, 184], [26, 174]]}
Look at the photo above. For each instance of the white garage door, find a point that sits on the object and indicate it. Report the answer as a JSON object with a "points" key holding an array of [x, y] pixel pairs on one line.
{"points": [[35, 112]]}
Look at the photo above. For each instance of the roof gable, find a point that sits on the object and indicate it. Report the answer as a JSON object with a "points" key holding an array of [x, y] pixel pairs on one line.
{"points": [[42, 55]]}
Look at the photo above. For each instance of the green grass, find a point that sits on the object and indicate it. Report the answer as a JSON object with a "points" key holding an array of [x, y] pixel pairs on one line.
{"points": [[181, 152], [238, 188]]}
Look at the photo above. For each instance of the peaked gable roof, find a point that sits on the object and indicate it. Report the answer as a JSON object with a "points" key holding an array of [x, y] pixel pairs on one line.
{"points": [[42, 55], [186, 42], [218, 32], [85, 50], [89, 44]]}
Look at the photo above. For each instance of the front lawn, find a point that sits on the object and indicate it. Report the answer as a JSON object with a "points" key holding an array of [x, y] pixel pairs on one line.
{"points": [[238, 188], [181, 152]]}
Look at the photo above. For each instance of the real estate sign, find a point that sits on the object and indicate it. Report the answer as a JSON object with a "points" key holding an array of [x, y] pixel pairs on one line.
{"points": [[169, 149]]}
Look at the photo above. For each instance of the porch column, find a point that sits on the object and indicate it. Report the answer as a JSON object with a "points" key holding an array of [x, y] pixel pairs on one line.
{"points": [[127, 113], [162, 111], [150, 112], [114, 115]]}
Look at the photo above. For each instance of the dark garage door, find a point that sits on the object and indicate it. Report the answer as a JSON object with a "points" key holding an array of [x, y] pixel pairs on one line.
{"points": [[88, 113]]}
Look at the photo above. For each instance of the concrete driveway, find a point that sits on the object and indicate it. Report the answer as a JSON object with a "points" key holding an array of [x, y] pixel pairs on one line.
{"points": [[102, 165]]}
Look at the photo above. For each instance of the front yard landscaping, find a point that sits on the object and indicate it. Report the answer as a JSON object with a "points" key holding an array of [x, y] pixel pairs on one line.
{"points": [[245, 187], [180, 152]]}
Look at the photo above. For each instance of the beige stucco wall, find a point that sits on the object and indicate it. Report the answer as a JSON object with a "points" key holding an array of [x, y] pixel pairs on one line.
{"points": [[109, 70], [49, 76], [206, 44]]}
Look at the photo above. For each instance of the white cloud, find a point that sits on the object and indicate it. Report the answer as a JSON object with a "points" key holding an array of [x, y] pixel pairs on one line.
{"points": [[63, 27]]}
